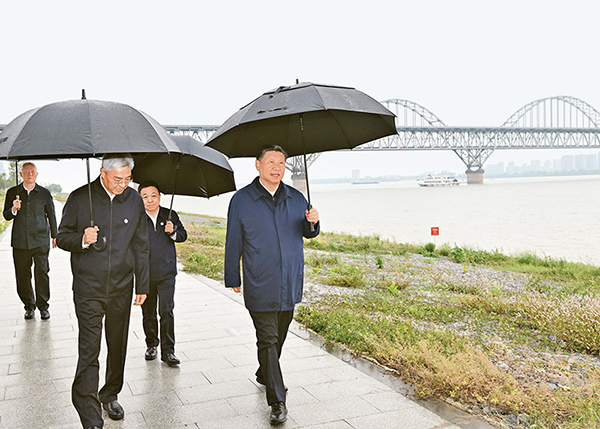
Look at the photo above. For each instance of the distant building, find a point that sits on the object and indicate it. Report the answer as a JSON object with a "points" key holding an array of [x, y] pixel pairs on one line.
{"points": [[355, 174], [591, 162], [579, 162], [567, 163]]}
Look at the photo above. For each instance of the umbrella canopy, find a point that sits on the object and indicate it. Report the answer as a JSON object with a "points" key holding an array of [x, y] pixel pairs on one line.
{"points": [[81, 129], [197, 171], [304, 118]]}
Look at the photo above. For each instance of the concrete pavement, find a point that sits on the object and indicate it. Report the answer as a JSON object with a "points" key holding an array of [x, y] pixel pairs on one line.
{"points": [[213, 388]]}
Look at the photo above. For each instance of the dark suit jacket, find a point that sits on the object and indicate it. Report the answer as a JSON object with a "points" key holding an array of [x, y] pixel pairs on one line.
{"points": [[35, 223], [124, 222], [163, 255]]}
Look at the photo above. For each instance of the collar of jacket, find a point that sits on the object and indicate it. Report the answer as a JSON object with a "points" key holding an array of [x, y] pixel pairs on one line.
{"points": [[256, 193], [21, 188]]}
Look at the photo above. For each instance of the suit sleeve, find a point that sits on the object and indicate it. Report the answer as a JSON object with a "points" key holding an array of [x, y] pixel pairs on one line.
{"points": [[51, 215], [141, 249], [70, 233], [181, 233], [8, 203], [233, 246]]}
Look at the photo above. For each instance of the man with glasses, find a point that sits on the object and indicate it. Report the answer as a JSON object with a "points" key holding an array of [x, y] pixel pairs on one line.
{"points": [[103, 280], [32, 208]]}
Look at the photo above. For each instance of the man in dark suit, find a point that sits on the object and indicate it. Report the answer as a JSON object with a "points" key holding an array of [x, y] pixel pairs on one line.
{"points": [[103, 281], [164, 233], [32, 208]]}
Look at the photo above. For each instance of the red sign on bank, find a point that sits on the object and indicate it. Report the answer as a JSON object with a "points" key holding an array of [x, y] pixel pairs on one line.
{"points": [[435, 230]]}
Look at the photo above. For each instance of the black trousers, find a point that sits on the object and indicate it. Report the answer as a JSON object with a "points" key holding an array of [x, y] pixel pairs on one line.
{"points": [[90, 313], [162, 293], [23, 259], [271, 331]]}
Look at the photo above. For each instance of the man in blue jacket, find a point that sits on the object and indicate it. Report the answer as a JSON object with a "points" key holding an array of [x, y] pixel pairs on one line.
{"points": [[164, 233], [103, 281], [265, 225]]}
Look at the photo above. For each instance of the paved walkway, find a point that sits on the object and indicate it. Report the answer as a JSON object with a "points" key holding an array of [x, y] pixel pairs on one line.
{"points": [[213, 388]]}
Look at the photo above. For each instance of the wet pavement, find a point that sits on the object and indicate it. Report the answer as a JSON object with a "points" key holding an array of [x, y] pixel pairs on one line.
{"points": [[214, 386]]}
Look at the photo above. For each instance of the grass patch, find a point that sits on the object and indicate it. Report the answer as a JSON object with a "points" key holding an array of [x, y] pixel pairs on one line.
{"points": [[204, 251]]}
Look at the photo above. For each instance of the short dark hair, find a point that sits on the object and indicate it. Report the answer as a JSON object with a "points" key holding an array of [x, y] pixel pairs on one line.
{"points": [[147, 184], [270, 148]]}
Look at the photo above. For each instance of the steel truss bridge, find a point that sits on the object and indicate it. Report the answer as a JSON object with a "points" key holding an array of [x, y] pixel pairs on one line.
{"points": [[560, 122]]}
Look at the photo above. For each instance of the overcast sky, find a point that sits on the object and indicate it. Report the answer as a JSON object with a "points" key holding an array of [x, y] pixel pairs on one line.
{"points": [[196, 62]]}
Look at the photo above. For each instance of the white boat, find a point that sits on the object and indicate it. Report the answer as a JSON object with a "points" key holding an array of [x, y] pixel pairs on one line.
{"points": [[439, 181]]}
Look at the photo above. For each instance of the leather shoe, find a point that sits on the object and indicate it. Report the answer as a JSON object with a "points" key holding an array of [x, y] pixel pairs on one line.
{"points": [[114, 409], [278, 413], [151, 353], [170, 359], [45, 314], [94, 427], [29, 314]]}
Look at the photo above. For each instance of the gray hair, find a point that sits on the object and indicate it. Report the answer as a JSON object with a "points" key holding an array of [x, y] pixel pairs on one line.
{"points": [[25, 164], [117, 160]]}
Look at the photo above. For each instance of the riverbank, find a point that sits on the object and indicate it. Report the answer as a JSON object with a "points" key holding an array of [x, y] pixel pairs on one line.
{"points": [[515, 339]]}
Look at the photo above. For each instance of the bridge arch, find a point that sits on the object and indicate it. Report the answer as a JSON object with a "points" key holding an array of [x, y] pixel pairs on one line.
{"points": [[554, 112], [412, 114]]}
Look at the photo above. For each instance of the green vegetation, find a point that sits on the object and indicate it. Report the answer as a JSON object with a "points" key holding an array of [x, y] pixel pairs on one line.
{"points": [[513, 335], [3, 223], [204, 250]]}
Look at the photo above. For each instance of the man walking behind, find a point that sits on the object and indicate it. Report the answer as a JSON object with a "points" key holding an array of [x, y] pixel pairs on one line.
{"points": [[32, 208], [164, 233], [265, 225], [103, 281]]}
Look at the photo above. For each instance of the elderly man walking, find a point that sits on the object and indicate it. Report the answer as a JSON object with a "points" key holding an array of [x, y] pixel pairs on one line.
{"points": [[32, 209], [103, 281], [265, 225]]}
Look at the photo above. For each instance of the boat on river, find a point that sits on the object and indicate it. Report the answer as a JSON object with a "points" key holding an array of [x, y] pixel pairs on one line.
{"points": [[439, 181]]}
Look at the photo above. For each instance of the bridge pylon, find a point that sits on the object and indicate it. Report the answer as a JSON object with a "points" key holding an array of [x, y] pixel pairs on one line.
{"points": [[299, 181], [475, 177]]}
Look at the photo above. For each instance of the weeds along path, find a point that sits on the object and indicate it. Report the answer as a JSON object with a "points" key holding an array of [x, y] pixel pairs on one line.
{"points": [[515, 338]]}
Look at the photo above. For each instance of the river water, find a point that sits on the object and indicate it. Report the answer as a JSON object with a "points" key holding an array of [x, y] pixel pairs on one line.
{"points": [[549, 216]]}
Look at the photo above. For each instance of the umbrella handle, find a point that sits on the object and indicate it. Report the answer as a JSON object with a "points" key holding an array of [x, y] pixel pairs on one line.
{"points": [[101, 244], [312, 225]]}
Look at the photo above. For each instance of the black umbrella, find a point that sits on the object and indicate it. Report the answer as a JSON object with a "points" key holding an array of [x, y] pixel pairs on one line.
{"points": [[196, 171], [82, 129], [304, 118]]}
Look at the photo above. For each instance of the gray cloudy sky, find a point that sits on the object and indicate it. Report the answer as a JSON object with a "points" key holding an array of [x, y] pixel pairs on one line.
{"points": [[196, 62]]}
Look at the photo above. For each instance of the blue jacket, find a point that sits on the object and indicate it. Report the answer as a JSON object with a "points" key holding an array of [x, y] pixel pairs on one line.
{"points": [[163, 256], [268, 239]]}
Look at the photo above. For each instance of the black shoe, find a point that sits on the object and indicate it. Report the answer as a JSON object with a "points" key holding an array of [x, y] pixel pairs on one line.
{"points": [[45, 314], [260, 381], [151, 353], [29, 314], [278, 413], [170, 359], [94, 427], [114, 409]]}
